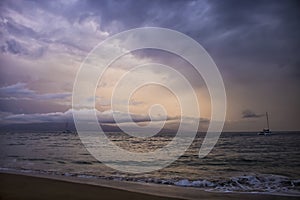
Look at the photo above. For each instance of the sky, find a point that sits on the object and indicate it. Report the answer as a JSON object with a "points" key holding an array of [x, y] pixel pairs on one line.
{"points": [[255, 45]]}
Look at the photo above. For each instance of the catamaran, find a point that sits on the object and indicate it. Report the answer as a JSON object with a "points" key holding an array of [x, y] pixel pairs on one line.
{"points": [[266, 131]]}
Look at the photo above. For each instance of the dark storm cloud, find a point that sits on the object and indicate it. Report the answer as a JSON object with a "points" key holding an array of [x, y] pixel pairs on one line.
{"points": [[13, 47], [260, 31], [253, 43], [204, 19], [255, 19], [9, 30], [255, 35], [240, 35], [126, 14], [250, 114], [15, 28]]}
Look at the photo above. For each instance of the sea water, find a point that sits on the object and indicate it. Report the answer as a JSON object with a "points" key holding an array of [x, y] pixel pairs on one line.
{"points": [[239, 162]]}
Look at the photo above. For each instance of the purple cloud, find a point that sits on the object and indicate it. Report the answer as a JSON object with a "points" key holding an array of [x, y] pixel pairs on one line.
{"points": [[19, 91], [250, 114]]}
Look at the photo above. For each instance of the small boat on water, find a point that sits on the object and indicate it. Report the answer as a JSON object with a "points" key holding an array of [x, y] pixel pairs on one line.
{"points": [[67, 130], [266, 131]]}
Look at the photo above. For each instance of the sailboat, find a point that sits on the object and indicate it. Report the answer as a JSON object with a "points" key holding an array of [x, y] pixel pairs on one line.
{"points": [[67, 130], [266, 131]]}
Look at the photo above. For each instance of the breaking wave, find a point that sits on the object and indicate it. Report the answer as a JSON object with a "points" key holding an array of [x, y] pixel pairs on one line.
{"points": [[259, 183]]}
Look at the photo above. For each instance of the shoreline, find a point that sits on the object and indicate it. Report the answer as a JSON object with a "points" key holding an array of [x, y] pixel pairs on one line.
{"points": [[55, 186]]}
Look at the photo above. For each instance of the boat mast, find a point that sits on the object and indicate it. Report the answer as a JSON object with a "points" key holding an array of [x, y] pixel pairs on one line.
{"points": [[267, 120]]}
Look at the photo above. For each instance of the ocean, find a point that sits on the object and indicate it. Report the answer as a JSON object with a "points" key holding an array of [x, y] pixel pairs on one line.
{"points": [[239, 162]]}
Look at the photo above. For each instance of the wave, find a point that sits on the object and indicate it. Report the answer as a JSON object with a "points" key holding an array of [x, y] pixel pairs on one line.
{"points": [[258, 183], [265, 183]]}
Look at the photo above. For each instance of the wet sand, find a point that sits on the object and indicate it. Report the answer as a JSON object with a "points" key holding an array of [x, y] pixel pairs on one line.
{"points": [[17, 186]]}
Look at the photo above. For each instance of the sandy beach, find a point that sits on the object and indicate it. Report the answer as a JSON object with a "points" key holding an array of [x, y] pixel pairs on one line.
{"points": [[17, 186], [26, 187]]}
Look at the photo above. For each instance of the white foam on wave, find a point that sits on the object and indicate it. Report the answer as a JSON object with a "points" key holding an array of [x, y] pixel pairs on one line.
{"points": [[259, 183], [262, 183], [198, 183]]}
